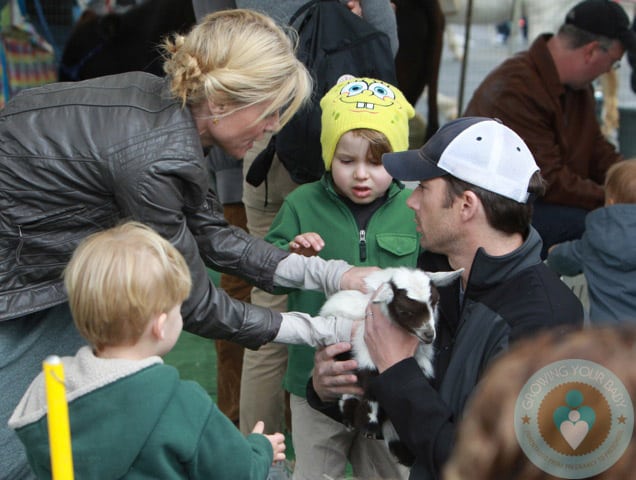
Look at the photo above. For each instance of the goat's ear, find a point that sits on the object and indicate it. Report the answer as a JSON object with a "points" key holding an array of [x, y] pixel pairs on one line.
{"points": [[441, 279], [384, 293]]}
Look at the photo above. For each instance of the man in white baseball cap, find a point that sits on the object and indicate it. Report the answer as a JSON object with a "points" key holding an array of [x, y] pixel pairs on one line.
{"points": [[473, 207]]}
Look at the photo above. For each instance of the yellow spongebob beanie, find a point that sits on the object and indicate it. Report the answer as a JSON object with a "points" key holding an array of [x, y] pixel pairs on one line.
{"points": [[364, 103]]}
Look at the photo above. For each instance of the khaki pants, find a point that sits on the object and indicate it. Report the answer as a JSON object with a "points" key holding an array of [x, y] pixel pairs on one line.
{"points": [[323, 447], [229, 355], [262, 394]]}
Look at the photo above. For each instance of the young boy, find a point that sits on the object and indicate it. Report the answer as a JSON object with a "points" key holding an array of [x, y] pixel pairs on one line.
{"points": [[130, 415], [606, 253], [357, 213]]}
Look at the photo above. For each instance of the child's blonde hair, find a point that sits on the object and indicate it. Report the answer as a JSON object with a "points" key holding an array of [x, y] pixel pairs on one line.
{"points": [[118, 279], [237, 58], [620, 182]]}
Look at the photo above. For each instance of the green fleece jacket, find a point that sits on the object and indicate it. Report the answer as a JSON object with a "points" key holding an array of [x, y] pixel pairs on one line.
{"points": [[138, 420], [390, 240]]}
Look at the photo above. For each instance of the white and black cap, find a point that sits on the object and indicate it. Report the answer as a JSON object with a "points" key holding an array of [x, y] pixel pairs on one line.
{"points": [[478, 150]]}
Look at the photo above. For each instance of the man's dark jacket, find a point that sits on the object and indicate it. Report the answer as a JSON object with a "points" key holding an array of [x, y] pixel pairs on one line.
{"points": [[507, 298]]}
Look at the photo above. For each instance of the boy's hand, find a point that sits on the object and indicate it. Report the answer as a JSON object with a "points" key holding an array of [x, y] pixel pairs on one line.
{"points": [[276, 439], [355, 7], [307, 244], [552, 247]]}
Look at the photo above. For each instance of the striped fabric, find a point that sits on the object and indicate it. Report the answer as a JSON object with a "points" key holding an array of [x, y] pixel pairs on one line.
{"points": [[26, 61]]}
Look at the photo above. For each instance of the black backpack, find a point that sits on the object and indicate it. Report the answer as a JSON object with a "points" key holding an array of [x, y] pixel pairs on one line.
{"points": [[333, 41]]}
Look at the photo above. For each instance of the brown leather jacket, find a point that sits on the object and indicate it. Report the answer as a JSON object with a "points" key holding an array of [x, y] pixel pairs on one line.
{"points": [[558, 123]]}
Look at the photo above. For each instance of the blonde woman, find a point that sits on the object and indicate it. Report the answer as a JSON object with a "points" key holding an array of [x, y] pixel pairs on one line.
{"points": [[76, 158]]}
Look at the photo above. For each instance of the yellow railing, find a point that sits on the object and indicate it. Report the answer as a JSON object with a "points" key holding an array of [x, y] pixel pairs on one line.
{"points": [[58, 422]]}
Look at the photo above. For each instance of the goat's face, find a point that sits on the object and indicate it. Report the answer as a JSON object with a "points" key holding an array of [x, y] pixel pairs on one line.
{"points": [[417, 316]]}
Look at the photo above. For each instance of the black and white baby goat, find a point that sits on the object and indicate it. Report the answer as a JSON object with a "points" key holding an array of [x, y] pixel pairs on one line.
{"points": [[409, 298]]}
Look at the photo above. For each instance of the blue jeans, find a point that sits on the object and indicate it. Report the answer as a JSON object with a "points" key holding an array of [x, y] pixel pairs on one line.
{"points": [[24, 343], [557, 223]]}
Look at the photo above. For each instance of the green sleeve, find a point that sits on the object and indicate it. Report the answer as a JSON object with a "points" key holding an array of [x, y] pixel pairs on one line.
{"points": [[285, 227], [223, 452]]}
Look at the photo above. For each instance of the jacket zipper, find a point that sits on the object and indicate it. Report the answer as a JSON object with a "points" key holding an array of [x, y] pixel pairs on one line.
{"points": [[363, 245], [18, 250]]}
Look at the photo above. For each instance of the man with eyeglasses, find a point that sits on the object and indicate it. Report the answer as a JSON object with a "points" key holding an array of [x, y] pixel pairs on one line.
{"points": [[545, 94]]}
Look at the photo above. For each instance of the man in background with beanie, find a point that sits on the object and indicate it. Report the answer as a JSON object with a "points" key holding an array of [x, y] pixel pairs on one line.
{"points": [[356, 212], [545, 94], [473, 206]]}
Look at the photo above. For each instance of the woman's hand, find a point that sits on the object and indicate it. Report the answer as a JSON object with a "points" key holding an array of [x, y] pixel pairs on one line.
{"points": [[353, 279]]}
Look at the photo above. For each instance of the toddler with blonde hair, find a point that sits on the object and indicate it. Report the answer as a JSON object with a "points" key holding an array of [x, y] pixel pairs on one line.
{"points": [[131, 415]]}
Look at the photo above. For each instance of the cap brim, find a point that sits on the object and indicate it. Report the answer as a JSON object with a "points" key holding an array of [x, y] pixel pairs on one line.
{"points": [[411, 165], [628, 39]]}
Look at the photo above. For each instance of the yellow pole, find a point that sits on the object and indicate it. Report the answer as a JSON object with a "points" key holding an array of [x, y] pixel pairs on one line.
{"points": [[59, 428]]}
